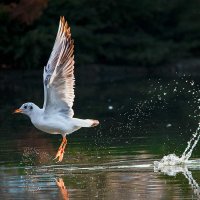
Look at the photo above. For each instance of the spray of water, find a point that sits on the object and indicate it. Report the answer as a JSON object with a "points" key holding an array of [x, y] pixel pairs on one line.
{"points": [[173, 170], [192, 182], [172, 164], [193, 102], [173, 160], [191, 145]]}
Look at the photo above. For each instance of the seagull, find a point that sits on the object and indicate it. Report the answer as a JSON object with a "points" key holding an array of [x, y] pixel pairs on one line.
{"points": [[56, 116]]}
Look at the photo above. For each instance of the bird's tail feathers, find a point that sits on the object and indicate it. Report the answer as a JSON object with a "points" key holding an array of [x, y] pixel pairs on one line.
{"points": [[94, 122], [88, 122]]}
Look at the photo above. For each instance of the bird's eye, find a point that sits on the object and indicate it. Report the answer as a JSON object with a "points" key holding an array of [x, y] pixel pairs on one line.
{"points": [[31, 107], [25, 107]]}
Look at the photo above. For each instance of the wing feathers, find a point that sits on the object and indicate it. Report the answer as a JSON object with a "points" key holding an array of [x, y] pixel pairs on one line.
{"points": [[59, 72]]}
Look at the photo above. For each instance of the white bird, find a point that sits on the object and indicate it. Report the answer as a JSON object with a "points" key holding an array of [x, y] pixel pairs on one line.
{"points": [[56, 116]]}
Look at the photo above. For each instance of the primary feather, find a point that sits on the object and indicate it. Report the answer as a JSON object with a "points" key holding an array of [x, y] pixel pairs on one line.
{"points": [[58, 76]]}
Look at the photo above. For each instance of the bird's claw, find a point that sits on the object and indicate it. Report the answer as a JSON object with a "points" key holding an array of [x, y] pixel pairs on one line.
{"points": [[61, 150], [59, 155]]}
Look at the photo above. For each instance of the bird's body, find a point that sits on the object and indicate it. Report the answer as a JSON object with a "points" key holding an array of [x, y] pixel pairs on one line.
{"points": [[58, 124], [56, 116]]}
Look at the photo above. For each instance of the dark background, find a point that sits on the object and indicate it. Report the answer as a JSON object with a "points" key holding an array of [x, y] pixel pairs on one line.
{"points": [[150, 35], [118, 45]]}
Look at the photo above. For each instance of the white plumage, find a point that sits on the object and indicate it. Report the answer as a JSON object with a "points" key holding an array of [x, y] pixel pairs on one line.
{"points": [[56, 116]]}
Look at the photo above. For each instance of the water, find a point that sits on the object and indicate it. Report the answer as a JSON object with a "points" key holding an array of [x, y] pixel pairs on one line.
{"points": [[191, 145], [142, 120], [173, 160], [172, 164]]}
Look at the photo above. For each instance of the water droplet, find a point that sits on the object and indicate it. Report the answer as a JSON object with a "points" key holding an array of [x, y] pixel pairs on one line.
{"points": [[110, 107], [168, 125]]}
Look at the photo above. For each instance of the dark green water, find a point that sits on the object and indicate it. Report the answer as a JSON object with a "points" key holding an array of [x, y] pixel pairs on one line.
{"points": [[141, 120]]}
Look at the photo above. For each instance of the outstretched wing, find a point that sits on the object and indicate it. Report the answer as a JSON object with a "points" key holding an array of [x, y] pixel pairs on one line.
{"points": [[58, 76]]}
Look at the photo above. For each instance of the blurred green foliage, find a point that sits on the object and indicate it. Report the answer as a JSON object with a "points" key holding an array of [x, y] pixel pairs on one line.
{"points": [[135, 33]]}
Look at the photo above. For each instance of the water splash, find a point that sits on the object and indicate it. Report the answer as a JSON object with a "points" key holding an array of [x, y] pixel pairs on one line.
{"points": [[173, 170], [169, 160], [32, 156], [191, 145], [192, 182], [173, 160], [172, 164]]}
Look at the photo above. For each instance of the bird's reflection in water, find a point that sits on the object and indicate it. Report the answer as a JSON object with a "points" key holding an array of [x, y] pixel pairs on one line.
{"points": [[173, 170], [63, 190]]}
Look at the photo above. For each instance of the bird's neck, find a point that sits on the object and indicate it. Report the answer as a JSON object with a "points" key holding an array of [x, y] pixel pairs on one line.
{"points": [[36, 113]]}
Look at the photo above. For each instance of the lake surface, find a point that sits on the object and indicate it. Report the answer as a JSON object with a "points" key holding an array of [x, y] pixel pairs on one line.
{"points": [[141, 120]]}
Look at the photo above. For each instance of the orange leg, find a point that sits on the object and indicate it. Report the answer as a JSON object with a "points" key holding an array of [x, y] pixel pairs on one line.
{"points": [[61, 149], [63, 190]]}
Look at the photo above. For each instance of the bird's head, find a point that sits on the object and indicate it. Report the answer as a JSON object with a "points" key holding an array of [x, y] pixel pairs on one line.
{"points": [[27, 109]]}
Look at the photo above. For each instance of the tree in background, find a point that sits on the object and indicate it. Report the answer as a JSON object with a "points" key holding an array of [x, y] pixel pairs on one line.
{"points": [[27, 11], [133, 33], [17, 35]]}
